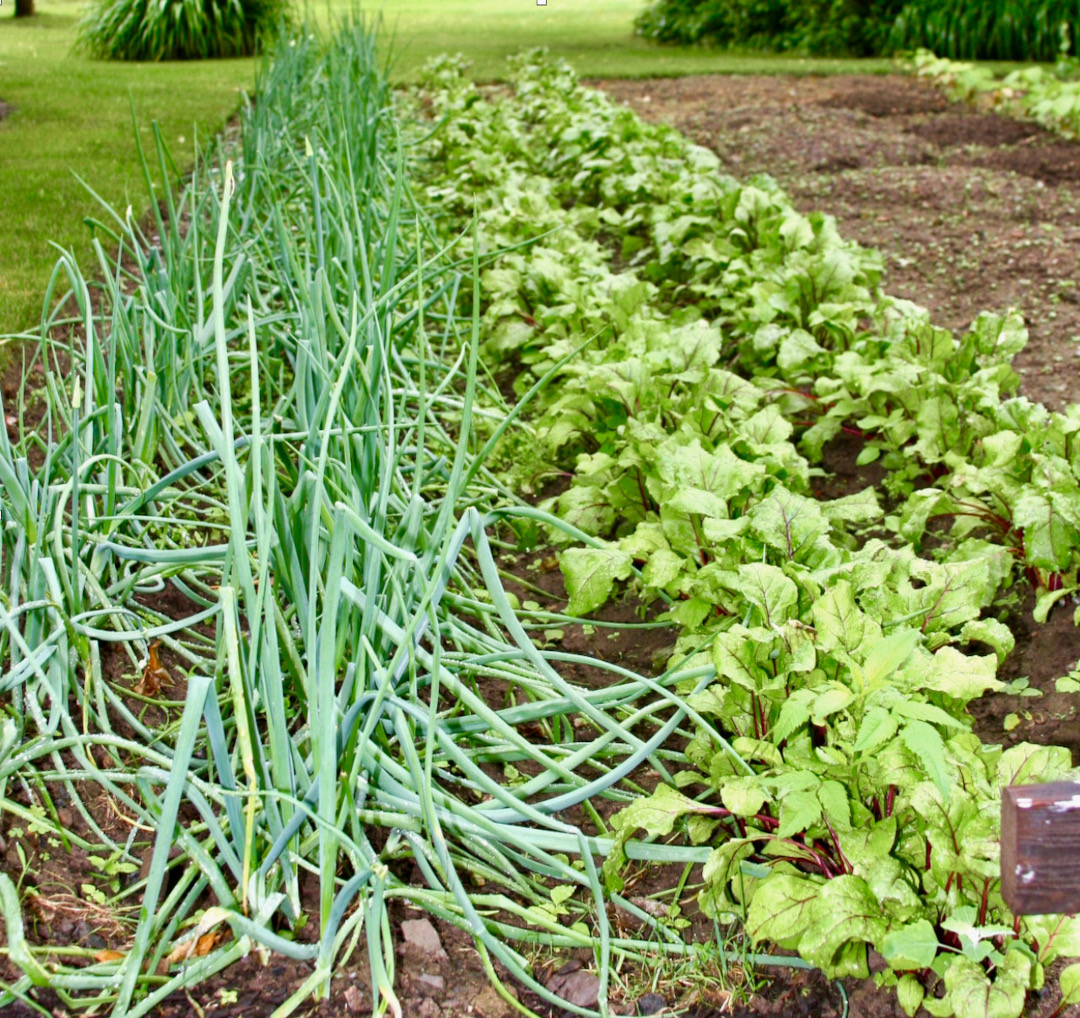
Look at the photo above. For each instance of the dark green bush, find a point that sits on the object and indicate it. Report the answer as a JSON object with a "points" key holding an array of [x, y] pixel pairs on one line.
{"points": [[987, 29], [858, 27], [961, 29], [179, 29]]}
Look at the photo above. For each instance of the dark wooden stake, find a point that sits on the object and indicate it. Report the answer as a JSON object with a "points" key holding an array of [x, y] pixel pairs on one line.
{"points": [[1040, 848]]}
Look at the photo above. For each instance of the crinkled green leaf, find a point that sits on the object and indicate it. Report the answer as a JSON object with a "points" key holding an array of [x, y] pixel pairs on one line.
{"points": [[963, 676], [951, 593], [718, 531], [689, 613], [591, 574], [735, 656], [743, 795], [861, 507], [662, 568], [1069, 981], [587, 508], [917, 510], [799, 643], [657, 813], [1045, 601], [757, 750], [647, 539], [720, 869], [720, 473], [1026, 763], [845, 910], [939, 1007], [780, 909], [840, 624], [788, 523], [1058, 936], [973, 995], [698, 501], [796, 349], [910, 993], [1048, 536], [770, 591], [893, 884], [991, 632]]}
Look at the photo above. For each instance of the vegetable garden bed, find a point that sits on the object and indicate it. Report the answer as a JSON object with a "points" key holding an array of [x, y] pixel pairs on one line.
{"points": [[824, 512]]}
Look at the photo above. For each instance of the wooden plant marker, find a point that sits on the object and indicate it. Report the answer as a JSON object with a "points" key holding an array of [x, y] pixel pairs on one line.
{"points": [[1040, 848]]}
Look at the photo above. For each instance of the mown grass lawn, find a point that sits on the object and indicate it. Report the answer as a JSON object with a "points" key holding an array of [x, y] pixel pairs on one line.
{"points": [[596, 36], [72, 116]]}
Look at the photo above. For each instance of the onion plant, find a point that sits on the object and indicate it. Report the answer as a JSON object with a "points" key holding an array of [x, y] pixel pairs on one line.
{"points": [[271, 408]]}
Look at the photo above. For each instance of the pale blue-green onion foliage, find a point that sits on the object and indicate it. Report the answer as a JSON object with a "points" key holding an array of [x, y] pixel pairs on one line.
{"points": [[179, 29], [273, 410]]}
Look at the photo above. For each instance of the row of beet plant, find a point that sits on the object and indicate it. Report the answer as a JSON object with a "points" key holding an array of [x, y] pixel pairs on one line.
{"points": [[707, 343], [1050, 97]]}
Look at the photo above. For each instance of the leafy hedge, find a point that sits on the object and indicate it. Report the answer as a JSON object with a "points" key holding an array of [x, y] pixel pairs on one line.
{"points": [[155, 30], [820, 26], [988, 29], [968, 29]]}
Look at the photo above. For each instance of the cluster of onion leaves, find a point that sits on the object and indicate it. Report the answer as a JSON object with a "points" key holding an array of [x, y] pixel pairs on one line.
{"points": [[259, 472]]}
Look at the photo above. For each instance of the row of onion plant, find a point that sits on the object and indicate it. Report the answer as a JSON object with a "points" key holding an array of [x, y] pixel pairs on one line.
{"points": [[266, 411]]}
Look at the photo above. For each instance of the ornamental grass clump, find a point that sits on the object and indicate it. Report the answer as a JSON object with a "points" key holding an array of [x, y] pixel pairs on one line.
{"points": [[1026, 30], [151, 30]]}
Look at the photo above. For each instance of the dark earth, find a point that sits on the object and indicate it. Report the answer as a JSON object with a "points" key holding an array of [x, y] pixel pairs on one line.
{"points": [[972, 212]]}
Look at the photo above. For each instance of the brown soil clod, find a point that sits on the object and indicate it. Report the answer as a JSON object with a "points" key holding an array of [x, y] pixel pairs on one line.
{"points": [[886, 97]]}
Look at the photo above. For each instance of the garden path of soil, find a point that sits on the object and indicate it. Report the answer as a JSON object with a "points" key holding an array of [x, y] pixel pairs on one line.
{"points": [[972, 212]]}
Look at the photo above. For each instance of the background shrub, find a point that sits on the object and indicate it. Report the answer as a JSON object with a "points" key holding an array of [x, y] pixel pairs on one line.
{"points": [[987, 29], [817, 26], [961, 29], [179, 29]]}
